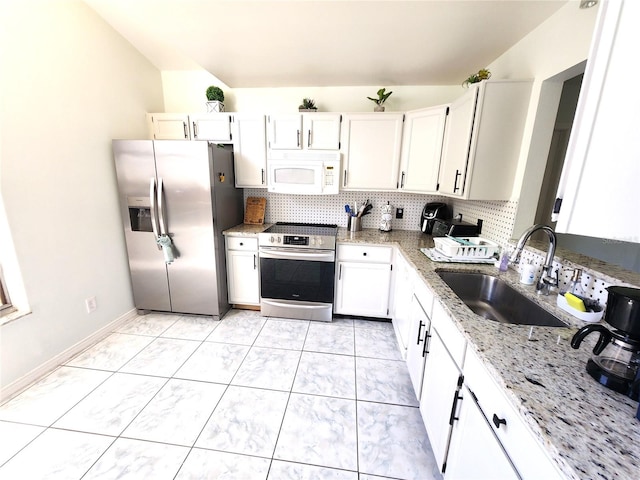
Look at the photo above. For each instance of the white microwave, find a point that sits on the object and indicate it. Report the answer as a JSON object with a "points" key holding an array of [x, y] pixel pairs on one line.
{"points": [[303, 172]]}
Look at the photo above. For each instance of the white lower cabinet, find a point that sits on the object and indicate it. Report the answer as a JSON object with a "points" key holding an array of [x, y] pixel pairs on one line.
{"points": [[475, 452], [243, 275], [509, 431], [440, 395], [363, 278], [402, 305], [419, 334]]}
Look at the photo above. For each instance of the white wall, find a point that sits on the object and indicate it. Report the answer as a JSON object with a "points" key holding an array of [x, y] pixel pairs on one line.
{"points": [[559, 44], [184, 91], [70, 84]]}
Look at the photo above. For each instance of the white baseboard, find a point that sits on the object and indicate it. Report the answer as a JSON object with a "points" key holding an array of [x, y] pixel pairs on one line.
{"points": [[37, 373]]}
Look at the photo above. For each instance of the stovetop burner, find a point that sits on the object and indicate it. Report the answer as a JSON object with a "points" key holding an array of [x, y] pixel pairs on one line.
{"points": [[299, 235], [289, 228]]}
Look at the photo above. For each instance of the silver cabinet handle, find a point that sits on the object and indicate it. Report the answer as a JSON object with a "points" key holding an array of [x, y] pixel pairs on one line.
{"points": [[298, 137], [309, 139], [402, 181], [345, 179], [255, 264], [262, 170], [195, 130], [186, 132]]}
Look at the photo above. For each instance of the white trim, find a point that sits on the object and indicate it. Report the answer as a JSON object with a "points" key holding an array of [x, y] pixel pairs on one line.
{"points": [[37, 373]]}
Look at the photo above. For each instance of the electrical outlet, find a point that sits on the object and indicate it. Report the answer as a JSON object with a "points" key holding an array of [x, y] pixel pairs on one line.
{"points": [[90, 304], [399, 212]]}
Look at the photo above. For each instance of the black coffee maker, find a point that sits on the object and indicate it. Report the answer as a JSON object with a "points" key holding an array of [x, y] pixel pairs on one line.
{"points": [[430, 212], [616, 356]]}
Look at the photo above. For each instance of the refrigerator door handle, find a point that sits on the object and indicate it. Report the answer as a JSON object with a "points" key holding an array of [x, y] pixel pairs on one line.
{"points": [[152, 198], [163, 225]]}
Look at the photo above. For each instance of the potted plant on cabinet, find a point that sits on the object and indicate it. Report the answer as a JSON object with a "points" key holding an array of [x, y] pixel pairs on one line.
{"points": [[308, 105], [382, 97], [483, 74], [215, 97]]}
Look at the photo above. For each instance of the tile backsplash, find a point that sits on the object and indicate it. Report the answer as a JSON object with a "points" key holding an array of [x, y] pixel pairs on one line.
{"points": [[498, 217]]}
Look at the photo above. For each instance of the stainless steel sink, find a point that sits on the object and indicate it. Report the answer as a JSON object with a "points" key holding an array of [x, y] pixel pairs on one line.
{"points": [[493, 298]]}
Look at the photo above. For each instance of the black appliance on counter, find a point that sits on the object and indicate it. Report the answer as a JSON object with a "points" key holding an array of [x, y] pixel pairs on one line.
{"points": [[615, 362], [431, 212], [456, 228]]}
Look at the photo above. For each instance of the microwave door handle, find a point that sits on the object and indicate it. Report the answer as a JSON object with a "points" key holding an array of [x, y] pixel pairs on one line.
{"points": [[162, 222], [154, 209]]}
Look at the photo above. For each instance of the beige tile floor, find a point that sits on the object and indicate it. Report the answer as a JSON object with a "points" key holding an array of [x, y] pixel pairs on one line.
{"points": [[247, 397]]}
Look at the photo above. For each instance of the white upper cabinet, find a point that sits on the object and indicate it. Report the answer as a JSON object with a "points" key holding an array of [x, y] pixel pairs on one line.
{"points": [[483, 138], [371, 150], [215, 127], [312, 131], [250, 150], [603, 156], [168, 126], [285, 131], [321, 131], [422, 138]]}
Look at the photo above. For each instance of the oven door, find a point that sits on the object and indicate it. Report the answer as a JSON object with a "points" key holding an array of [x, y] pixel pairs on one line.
{"points": [[297, 283]]}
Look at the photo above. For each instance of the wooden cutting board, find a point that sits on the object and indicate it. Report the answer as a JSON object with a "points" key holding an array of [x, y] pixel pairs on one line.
{"points": [[254, 210]]}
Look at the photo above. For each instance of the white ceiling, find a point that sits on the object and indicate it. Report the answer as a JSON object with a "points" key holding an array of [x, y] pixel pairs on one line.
{"points": [[268, 43]]}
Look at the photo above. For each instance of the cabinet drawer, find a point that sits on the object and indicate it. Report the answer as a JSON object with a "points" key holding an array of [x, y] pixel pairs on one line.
{"points": [[451, 336], [365, 253], [526, 453], [242, 243]]}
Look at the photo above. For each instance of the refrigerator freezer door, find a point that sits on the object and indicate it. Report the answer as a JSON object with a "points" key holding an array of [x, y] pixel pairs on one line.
{"points": [[135, 169], [184, 170]]}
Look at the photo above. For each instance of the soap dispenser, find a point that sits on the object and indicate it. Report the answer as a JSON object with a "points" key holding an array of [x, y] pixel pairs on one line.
{"points": [[575, 286]]}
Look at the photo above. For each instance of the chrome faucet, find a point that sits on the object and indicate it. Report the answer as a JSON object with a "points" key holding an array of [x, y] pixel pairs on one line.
{"points": [[547, 279]]}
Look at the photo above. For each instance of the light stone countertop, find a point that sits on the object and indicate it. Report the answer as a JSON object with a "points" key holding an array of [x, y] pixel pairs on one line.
{"points": [[588, 430]]}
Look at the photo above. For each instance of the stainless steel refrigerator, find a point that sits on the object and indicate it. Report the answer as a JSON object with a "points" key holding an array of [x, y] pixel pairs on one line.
{"points": [[176, 198]]}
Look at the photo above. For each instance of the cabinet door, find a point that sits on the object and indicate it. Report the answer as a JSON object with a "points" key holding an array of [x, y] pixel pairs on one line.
{"points": [[363, 289], [321, 131], [422, 139], [285, 131], [603, 156], [403, 292], [250, 151], [439, 396], [457, 140], [214, 126], [371, 150], [243, 277], [168, 126], [476, 453], [418, 347]]}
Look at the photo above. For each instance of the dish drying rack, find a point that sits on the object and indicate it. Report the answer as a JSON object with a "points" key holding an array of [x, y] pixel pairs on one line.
{"points": [[466, 248]]}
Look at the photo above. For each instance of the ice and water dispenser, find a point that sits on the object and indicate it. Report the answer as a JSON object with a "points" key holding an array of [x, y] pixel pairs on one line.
{"points": [[139, 214]]}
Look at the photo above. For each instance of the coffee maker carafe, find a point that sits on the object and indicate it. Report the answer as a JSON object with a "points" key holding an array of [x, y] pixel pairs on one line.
{"points": [[615, 362]]}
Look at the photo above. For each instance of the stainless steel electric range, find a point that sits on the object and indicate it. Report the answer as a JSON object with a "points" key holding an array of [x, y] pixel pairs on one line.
{"points": [[297, 270]]}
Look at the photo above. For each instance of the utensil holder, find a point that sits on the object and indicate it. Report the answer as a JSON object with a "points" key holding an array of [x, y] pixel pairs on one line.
{"points": [[354, 224]]}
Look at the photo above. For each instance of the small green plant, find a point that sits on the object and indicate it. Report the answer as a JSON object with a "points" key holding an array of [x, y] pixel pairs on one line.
{"points": [[382, 97], [483, 74], [308, 104], [215, 93]]}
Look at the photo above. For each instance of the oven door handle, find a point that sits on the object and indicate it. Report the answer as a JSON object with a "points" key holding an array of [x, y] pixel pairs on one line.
{"points": [[295, 304], [291, 254]]}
